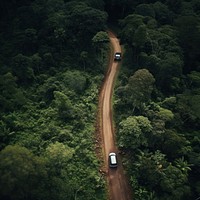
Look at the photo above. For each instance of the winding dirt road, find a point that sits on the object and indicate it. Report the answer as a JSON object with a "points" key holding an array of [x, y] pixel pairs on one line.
{"points": [[117, 182]]}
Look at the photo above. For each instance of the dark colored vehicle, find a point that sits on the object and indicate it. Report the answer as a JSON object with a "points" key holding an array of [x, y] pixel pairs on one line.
{"points": [[118, 56], [112, 160]]}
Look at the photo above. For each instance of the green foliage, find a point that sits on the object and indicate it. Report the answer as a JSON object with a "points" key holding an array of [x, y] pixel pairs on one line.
{"points": [[129, 26], [22, 68], [48, 131], [171, 107], [162, 37], [140, 36], [175, 145], [162, 13], [165, 180], [171, 67], [154, 47], [82, 21], [101, 43], [11, 96], [140, 87], [145, 10], [188, 27], [165, 114], [132, 132], [23, 175], [101, 37], [48, 105], [58, 156], [188, 108], [194, 78], [74, 80], [173, 183], [64, 106], [84, 57]]}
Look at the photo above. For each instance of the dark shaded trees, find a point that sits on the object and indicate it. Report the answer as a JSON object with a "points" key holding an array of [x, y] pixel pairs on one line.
{"points": [[162, 179], [11, 96], [162, 37], [22, 68], [49, 90], [139, 88], [189, 40], [23, 175]]}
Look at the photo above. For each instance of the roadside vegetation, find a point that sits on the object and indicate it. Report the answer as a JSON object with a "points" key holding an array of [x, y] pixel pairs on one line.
{"points": [[157, 98], [53, 56]]}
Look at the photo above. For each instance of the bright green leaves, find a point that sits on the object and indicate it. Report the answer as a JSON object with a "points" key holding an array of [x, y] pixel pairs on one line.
{"points": [[43, 43], [101, 37], [165, 114], [58, 152], [132, 132], [58, 155]]}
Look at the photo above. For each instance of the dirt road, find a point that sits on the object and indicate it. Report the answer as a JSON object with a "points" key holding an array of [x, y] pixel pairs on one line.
{"points": [[118, 187]]}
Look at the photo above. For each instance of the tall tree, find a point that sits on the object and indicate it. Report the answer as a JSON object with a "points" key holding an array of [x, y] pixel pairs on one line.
{"points": [[22, 68], [11, 96], [140, 87], [132, 132]]}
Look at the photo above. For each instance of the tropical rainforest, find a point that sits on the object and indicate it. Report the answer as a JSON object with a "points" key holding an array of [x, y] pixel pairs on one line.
{"points": [[53, 58]]}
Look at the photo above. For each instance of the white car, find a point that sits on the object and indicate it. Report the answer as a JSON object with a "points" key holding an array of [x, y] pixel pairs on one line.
{"points": [[118, 56], [112, 160]]}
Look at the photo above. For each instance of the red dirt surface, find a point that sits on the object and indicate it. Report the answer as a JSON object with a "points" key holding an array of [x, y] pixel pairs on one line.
{"points": [[119, 188]]}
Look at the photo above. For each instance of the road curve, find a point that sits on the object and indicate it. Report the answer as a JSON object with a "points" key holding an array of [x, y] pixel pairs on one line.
{"points": [[117, 182]]}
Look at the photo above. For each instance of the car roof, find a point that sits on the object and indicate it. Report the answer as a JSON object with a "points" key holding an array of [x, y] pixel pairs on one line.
{"points": [[113, 159]]}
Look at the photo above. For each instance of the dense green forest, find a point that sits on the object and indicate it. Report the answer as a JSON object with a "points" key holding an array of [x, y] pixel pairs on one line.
{"points": [[157, 98], [53, 57]]}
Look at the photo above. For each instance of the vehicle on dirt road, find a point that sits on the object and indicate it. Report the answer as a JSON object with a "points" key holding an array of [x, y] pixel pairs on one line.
{"points": [[118, 56], [112, 160]]}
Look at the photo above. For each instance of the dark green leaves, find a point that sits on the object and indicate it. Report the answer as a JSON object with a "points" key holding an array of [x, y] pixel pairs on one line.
{"points": [[23, 175]]}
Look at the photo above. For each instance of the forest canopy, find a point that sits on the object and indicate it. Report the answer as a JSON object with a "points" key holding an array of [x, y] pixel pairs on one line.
{"points": [[53, 57]]}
